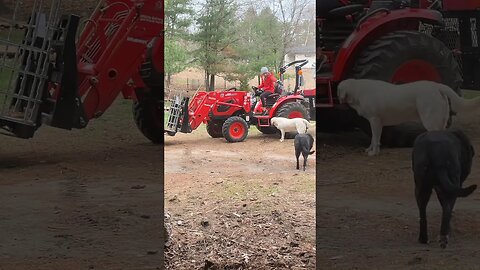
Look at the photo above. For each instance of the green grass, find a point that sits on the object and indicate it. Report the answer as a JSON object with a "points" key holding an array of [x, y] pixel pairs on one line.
{"points": [[246, 189], [470, 94], [304, 183], [16, 35], [3, 79]]}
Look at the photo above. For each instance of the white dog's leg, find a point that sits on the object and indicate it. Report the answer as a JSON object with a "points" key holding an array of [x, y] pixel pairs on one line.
{"points": [[376, 126], [283, 135], [370, 147]]}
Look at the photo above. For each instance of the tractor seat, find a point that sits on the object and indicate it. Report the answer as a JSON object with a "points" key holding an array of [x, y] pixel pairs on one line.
{"points": [[346, 10], [325, 6], [272, 99]]}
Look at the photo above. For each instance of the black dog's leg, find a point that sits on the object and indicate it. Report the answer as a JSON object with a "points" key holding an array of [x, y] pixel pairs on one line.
{"points": [[297, 154], [305, 156], [447, 208], [422, 195]]}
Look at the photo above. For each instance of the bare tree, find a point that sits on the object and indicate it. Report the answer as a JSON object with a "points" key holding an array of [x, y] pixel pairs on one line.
{"points": [[291, 14]]}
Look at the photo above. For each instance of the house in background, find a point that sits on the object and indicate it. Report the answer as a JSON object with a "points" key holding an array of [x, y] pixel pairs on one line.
{"points": [[300, 53]]}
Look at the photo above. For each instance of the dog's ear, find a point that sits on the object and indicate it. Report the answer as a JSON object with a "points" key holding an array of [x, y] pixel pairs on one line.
{"points": [[273, 122], [342, 88]]}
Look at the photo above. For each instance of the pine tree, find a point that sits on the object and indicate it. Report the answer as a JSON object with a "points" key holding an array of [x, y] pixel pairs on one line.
{"points": [[215, 37], [178, 17]]}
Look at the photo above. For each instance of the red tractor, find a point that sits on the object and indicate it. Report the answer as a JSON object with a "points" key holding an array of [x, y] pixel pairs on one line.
{"points": [[397, 41], [230, 113], [54, 79], [223, 111]]}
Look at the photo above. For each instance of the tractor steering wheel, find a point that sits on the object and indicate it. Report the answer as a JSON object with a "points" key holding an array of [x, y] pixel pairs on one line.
{"points": [[257, 91], [231, 88]]}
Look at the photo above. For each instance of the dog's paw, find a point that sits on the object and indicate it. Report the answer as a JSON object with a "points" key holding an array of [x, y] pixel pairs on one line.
{"points": [[281, 140], [423, 240], [373, 153], [370, 148], [443, 241]]}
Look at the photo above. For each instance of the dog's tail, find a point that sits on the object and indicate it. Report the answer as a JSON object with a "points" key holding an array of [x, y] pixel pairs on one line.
{"points": [[307, 123], [306, 150], [449, 188], [459, 104]]}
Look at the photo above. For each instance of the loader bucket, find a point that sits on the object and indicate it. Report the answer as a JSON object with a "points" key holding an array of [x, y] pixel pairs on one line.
{"points": [[177, 115], [31, 44]]}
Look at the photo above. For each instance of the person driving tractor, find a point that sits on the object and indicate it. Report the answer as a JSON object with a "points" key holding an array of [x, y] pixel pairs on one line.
{"points": [[267, 85]]}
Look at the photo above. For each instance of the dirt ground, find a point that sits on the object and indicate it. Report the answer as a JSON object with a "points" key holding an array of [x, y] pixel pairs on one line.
{"points": [[367, 217], [238, 206], [82, 199]]}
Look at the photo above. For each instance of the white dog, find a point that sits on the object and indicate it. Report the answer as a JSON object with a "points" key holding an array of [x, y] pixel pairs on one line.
{"points": [[386, 104], [299, 125]]}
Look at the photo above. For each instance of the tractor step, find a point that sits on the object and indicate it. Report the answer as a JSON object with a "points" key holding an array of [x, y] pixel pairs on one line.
{"points": [[263, 120], [324, 105], [325, 83]]}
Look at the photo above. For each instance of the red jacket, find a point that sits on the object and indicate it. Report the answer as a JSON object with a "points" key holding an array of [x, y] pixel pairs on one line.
{"points": [[268, 84]]}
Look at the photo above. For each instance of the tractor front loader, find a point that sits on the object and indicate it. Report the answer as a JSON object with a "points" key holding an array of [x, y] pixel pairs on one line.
{"points": [[49, 75], [398, 41]]}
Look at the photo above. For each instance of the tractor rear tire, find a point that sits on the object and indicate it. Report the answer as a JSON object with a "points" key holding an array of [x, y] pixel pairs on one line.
{"points": [[383, 60], [292, 110], [214, 128], [148, 114], [235, 129]]}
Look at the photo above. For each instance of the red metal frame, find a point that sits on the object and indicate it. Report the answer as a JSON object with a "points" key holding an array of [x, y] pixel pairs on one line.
{"points": [[112, 48], [280, 102], [464, 5]]}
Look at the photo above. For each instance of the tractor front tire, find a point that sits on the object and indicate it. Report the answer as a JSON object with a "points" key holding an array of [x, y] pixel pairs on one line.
{"points": [[292, 110], [235, 129], [214, 128], [401, 57], [147, 114]]}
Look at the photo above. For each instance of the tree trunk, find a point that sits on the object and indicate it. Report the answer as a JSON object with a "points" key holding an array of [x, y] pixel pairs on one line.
{"points": [[207, 85], [169, 80], [212, 82]]}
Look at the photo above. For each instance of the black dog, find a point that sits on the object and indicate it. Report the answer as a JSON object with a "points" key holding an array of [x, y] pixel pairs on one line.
{"points": [[303, 144], [442, 161]]}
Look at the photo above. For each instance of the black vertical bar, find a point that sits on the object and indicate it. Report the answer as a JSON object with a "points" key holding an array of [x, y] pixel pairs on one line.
{"points": [[68, 110]]}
